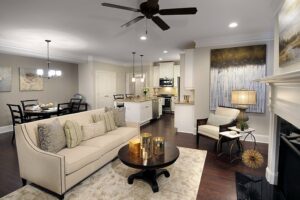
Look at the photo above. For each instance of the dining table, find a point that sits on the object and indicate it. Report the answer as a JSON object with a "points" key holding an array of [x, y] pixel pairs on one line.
{"points": [[41, 113]]}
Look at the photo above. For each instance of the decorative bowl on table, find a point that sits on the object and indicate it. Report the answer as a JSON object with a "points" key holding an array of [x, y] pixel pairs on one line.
{"points": [[46, 106]]}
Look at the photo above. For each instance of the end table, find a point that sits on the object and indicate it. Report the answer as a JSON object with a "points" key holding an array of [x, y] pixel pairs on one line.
{"points": [[248, 132]]}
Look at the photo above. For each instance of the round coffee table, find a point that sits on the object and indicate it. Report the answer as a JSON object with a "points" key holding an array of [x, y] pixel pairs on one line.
{"points": [[151, 168]]}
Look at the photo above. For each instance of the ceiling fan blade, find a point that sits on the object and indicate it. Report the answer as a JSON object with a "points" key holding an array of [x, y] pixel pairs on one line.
{"points": [[159, 22], [135, 20], [120, 7], [178, 11]]}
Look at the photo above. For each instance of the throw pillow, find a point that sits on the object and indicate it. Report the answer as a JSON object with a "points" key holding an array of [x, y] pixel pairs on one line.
{"points": [[119, 115], [108, 118], [93, 130], [73, 133], [217, 120], [51, 136]]}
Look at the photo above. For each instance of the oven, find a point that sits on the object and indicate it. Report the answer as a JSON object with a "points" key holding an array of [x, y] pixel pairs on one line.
{"points": [[167, 107]]}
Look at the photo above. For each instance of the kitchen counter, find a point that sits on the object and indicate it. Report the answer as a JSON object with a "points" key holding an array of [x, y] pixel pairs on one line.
{"points": [[184, 103], [135, 100]]}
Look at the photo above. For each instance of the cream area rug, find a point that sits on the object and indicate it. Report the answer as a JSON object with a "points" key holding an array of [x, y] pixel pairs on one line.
{"points": [[110, 182]]}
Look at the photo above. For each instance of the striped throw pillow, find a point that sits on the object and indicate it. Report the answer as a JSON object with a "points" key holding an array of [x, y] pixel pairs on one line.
{"points": [[73, 133], [108, 118]]}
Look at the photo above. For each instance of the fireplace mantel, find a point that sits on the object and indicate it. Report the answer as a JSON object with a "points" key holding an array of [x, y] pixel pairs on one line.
{"points": [[284, 101]]}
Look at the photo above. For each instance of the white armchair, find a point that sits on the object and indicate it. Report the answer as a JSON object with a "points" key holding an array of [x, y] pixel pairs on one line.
{"points": [[220, 121]]}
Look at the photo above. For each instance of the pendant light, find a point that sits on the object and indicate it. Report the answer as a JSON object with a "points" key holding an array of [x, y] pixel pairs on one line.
{"points": [[50, 72], [142, 70], [133, 75]]}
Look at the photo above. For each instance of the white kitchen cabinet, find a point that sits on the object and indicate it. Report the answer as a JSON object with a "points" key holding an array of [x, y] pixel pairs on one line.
{"points": [[189, 69], [139, 112], [161, 102], [155, 76], [174, 99], [184, 118], [166, 70], [176, 74]]}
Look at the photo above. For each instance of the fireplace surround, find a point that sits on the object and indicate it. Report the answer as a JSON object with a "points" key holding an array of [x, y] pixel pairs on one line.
{"points": [[284, 102]]}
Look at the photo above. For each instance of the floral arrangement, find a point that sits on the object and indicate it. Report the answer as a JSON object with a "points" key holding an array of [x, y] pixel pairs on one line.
{"points": [[145, 91]]}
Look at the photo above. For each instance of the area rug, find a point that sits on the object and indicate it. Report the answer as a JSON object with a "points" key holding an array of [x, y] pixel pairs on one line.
{"points": [[110, 182]]}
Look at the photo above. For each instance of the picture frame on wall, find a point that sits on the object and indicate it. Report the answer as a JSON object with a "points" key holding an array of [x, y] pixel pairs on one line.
{"points": [[30, 81], [289, 33], [5, 78]]}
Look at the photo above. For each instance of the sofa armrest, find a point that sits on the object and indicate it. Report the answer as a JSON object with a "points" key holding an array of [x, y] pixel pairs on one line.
{"points": [[200, 122], [133, 124], [226, 126], [37, 166]]}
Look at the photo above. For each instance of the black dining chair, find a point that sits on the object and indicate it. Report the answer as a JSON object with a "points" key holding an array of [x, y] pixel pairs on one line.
{"points": [[63, 109], [26, 104], [17, 117], [73, 106], [117, 97]]}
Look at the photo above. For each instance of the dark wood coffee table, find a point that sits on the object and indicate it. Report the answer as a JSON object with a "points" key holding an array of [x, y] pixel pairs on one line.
{"points": [[151, 168]]}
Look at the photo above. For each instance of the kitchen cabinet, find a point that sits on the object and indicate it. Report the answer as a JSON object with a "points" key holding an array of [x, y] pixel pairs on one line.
{"points": [[176, 74], [155, 76], [139, 112], [189, 69], [166, 70], [174, 99], [161, 102]]}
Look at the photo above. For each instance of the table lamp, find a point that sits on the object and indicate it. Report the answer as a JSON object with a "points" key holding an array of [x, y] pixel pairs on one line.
{"points": [[243, 98]]}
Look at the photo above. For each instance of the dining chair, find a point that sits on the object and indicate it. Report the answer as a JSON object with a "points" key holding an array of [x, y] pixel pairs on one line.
{"points": [[129, 95], [26, 104], [119, 104], [63, 109], [17, 117], [75, 105]]}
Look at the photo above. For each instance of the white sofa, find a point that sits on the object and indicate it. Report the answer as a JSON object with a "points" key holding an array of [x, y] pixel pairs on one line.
{"points": [[212, 131], [61, 171]]}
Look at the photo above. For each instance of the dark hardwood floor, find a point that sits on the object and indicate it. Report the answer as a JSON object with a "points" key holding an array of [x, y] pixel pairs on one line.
{"points": [[218, 178]]}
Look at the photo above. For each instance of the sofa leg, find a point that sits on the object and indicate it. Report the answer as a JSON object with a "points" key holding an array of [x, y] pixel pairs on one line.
{"points": [[24, 182]]}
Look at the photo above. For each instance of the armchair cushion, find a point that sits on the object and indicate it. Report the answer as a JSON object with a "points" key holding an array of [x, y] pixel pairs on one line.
{"points": [[209, 131], [229, 112], [217, 120]]}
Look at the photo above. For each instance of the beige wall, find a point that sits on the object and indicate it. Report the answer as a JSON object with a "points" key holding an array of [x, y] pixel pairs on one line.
{"points": [[55, 90], [260, 122]]}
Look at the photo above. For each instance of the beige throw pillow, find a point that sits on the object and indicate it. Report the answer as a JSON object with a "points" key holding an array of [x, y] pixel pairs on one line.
{"points": [[108, 118], [217, 120], [73, 133], [119, 115], [93, 130], [51, 136]]}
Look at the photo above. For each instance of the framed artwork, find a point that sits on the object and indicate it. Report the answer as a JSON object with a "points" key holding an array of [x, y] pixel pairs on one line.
{"points": [[5, 79], [234, 69], [29, 81], [289, 33]]}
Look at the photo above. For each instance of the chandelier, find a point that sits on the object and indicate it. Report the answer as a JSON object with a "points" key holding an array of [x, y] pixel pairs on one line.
{"points": [[50, 73], [137, 76]]}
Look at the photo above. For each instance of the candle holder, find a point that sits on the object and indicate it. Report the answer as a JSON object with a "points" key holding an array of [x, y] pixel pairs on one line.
{"points": [[146, 145], [135, 146], [158, 145]]}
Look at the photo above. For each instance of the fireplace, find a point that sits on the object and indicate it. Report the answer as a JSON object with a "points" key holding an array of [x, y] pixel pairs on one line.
{"points": [[289, 160]]}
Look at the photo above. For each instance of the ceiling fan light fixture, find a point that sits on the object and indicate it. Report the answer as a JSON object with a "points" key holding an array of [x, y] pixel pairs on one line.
{"points": [[160, 59]]}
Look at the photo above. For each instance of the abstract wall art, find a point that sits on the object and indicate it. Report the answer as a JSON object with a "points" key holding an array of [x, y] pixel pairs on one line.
{"points": [[237, 68], [289, 33], [5, 79], [29, 81]]}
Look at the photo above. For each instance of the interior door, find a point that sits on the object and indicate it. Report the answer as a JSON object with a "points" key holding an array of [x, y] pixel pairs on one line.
{"points": [[105, 88]]}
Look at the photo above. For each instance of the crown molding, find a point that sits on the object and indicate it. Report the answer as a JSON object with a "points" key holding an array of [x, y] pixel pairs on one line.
{"points": [[234, 40], [276, 6]]}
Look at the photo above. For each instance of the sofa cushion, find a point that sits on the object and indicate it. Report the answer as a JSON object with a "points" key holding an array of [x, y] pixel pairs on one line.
{"points": [[217, 120], [104, 143], [126, 133], [73, 133], [78, 157], [93, 130], [119, 115], [209, 130], [51, 136]]}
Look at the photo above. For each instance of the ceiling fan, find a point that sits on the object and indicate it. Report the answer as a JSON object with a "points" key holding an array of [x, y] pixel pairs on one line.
{"points": [[150, 9]]}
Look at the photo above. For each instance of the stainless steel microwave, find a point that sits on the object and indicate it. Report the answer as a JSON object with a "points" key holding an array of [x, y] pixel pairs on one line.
{"points": [[166, 82]]}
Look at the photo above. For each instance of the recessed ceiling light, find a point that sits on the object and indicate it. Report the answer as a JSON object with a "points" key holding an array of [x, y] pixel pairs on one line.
{"points": [[160, 59], [165, 51], [143, 37], [233, 25]]}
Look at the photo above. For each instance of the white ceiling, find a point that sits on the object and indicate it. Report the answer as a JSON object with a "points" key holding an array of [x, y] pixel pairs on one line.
{"points": [[79, 28]]}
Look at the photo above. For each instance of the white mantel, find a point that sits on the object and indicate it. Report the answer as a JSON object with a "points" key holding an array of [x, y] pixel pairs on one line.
{"points": [[284, 101]]}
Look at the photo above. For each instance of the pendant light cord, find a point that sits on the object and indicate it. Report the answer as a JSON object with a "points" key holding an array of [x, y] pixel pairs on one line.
{"points": [[133, 54]]}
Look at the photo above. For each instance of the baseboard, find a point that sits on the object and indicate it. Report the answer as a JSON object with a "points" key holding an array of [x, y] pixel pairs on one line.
{"points": [[6, 129], [259, 138], [271, 177]]}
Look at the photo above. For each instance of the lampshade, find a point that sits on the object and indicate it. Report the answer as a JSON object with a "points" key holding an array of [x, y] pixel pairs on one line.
{"points": [[243, 97]]}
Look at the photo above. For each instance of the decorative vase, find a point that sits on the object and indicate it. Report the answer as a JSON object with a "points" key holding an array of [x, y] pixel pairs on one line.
{"points": [[146, 145], [158, 145]]}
